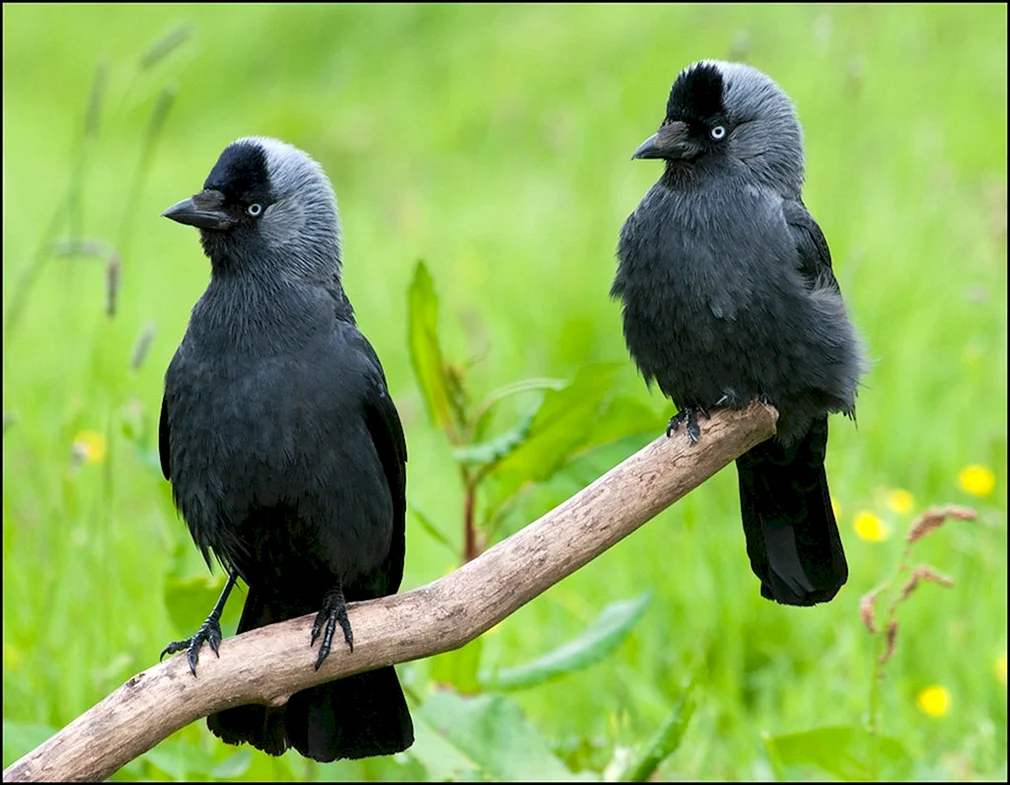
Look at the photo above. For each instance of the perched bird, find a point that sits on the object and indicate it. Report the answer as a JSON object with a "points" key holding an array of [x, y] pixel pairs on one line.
{"points": [[728, 295], [282, 444]]}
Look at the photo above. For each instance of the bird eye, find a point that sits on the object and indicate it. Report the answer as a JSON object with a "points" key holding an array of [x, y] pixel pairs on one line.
{"points": [[254, 210], [718, 132]]}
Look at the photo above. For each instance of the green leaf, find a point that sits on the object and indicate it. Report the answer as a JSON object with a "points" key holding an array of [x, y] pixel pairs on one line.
{"points": [[493, 398], [190, 600], [165, 45], [459, 667], [496, 449], [233, 766], [845, 752], [623, 417], [491, 732], [443, 761], [22, 737], [560, 426], [184, 756], [180, 760], [434, 531], [665, 742], [599, 639], [425, 351]]}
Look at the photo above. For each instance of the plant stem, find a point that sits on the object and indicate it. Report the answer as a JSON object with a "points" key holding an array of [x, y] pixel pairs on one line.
{"points": [[874, 710], [470, 548]]}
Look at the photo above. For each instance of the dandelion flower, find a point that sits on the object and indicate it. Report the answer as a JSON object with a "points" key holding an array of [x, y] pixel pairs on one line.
{"points": [[934, 701], [869, 527], [1001, 668], [977, 480], [89, 446], [900, 501]]}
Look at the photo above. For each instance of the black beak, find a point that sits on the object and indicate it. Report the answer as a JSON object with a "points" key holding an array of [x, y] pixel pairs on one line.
{"points": [[647, 149], [673, 140], [204, 211]]}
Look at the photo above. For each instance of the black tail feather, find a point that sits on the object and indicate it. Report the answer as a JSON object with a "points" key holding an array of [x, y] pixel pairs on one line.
{"points": [[355, 717], [792, 538]]}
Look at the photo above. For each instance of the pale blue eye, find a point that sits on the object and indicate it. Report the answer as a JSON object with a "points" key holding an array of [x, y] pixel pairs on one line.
{"points": [[718, 132], [254, 210]]}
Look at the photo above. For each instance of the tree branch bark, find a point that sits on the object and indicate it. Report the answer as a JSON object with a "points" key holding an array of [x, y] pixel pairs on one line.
{"points": [[435, 618]]}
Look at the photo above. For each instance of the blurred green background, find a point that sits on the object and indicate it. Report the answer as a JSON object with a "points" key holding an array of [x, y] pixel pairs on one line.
{"points": [[494, 142]]}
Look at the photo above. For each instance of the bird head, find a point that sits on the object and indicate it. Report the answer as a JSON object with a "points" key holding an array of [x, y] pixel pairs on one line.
{"points": [[266, 206], [731, 113]]}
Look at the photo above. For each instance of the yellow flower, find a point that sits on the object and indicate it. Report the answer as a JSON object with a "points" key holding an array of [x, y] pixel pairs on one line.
{"points": [[977, 480], [870, 527], [934, 701], [89, 446], [900, 500], [1001, 668]]}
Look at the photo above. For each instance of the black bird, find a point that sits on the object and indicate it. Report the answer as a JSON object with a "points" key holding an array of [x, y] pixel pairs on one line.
{"points": [[282, 444], [729, 295]]}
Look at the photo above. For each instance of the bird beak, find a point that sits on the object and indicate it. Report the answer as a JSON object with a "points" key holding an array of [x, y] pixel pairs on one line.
{"points": [[647, 149], [673, 140], [205, 211]]}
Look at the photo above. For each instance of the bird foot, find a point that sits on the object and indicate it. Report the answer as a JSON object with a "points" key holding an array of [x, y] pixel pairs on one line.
{"points": [[688, 416], [209, 632], [334, 612]]}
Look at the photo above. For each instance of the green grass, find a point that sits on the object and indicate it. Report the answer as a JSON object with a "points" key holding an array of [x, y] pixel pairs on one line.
{"points": [[494, 142]]}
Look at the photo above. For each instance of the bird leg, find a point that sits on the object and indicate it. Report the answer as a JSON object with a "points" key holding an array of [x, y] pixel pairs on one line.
{"points": [[334, 610], [687, 415], [209, 632]]}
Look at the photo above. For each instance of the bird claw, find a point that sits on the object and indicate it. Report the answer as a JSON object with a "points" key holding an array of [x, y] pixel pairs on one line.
{"points": [[334, 611], [209, 633], [688, 416]]}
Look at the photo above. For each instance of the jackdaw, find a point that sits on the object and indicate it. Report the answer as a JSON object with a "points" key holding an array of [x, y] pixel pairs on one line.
{"points": [[283, 446], [728, 295]]}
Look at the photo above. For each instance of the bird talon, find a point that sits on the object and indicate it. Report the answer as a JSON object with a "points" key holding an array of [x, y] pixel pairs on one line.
{"points": [[209, 633], [334, 611], [687, 416]]}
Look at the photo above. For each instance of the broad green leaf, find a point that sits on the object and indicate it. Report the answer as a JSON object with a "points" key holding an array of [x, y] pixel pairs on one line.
{"points": [[845, 752], [493, 398], [664, 743], [459, 667], [233, 766], [180, 760], [190, 600], [185, 756], [496, 449], [23, 737], [560, 426], [434, 531], [622, 417], [599, 639], [425, 351], [443, 761], [492, 732]]}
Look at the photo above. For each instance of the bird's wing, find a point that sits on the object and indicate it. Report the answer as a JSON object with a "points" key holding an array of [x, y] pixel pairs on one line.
{"points": [[384, 425], [163, 448], [815, 258]]}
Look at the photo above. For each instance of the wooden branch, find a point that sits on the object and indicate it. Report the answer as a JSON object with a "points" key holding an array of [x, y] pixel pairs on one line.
{"points": [[439, 617]]}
